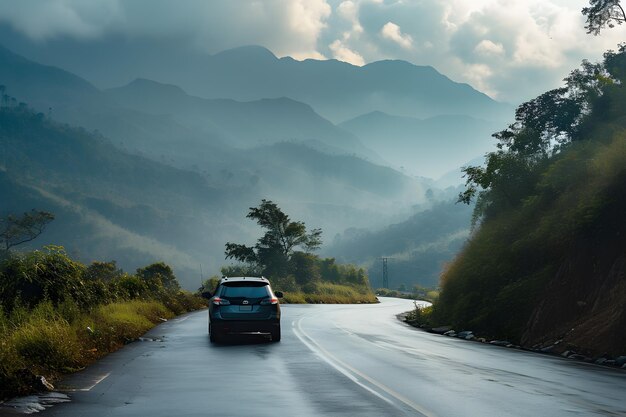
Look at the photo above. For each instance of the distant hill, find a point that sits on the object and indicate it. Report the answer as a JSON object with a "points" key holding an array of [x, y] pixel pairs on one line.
{"points": [[419, 246], [336, 90], [240, 124], [114, 205], [428, 147], [109, 204]]}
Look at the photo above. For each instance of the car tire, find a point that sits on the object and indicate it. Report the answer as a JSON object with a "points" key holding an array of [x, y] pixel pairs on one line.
{"points": [[213, 335], [276, 335]]}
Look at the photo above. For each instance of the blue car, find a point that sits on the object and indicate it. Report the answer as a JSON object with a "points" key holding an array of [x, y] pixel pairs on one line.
{"points": [[244, 305]]}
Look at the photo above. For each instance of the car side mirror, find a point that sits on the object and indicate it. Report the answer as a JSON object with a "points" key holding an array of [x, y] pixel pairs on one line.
{"points": [[279, 294], [206, 294]]}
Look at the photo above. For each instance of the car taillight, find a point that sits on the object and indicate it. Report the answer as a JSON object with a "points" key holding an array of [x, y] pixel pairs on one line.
{"points": [[220, 302], [269, 301]]}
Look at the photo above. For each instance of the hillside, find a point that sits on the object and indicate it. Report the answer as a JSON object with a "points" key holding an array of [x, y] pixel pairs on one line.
{"points": [[547, 266], [336, 90], [419, 247], [109, 204], [240, 124], [427, 147], [114, 205]]}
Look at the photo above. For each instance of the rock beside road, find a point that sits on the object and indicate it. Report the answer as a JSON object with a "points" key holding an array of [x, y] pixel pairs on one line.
{"points": [[553, 348]]}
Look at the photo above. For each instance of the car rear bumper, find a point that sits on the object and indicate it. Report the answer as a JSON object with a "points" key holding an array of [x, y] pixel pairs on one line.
{"points": [[245, 326]]}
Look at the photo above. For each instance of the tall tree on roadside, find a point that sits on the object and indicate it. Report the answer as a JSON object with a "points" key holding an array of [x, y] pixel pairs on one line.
{"points": [[282, 237], [15, 230], [603, 13]]}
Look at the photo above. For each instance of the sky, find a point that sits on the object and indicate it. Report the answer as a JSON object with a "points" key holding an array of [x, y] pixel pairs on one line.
{"points": [[511, 50]]}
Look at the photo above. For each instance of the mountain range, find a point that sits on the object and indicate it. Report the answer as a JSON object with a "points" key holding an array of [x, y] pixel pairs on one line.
{"points": [[229, 152]]}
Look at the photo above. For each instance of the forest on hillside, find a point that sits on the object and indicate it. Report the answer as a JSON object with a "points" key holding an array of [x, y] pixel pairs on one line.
{"points": [[546, 261]]}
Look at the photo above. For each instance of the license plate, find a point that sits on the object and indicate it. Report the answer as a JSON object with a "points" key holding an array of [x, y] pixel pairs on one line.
{"points": [[245, 308]]}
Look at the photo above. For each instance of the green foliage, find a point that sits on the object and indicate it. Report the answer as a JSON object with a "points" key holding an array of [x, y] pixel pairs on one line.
{"points": [[572, 190], [543, 127], [35, 276], [329, 293], [47, 341], [603, 13], [417, 293], [305, 268], [57, 315], [420, 316], [211, 283], [273, 251], [103, 271], [159, 275]]}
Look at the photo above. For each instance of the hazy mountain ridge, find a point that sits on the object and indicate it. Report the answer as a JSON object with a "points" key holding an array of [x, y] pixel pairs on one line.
{"points": [[299, 167], [422, 146], [71, 173], [418, 247], [241, 124], [338, 90]]}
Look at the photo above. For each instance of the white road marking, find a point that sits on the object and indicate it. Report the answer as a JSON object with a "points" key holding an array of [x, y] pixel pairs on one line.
{"points": [[89, 388], [352, 373]]}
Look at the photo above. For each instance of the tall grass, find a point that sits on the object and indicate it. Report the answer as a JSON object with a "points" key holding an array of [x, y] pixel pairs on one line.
{"points": [[330, 293], [51, 340]]}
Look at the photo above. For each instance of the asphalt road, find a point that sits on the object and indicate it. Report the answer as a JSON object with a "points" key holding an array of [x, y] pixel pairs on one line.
{"points": [[334, 360]]}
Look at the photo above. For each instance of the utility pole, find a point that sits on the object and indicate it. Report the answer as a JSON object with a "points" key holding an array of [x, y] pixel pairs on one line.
{"points": [[385, 272]]}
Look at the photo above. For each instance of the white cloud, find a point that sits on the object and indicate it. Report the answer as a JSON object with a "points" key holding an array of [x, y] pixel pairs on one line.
{"points": [[343, 53], [511, 49], [43, 20], [487, 47], [392, 32], [287, 27]]}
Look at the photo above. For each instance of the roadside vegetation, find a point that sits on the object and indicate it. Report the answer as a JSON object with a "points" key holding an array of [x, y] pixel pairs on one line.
{"points": [[544, 266], [58, 315], [284, 255], [417, 293]]}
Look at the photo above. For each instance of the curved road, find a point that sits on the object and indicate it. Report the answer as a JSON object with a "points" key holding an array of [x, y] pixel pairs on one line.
{"points": [[335, 360]]}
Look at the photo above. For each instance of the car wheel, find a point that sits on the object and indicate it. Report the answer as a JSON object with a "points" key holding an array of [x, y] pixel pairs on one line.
{"points": [[213, 336], [276, 335]]}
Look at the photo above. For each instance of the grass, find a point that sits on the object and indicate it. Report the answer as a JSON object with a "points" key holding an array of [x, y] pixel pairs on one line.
{"points": [[52, 340], [329, 293]]}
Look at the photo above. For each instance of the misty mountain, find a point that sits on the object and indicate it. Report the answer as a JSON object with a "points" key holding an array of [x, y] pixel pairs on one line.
{"points": [[424, 146], [337, 90], [418, 247], [113, 205], [153, 175], [331, 190], [240, 124], [109, 204]]}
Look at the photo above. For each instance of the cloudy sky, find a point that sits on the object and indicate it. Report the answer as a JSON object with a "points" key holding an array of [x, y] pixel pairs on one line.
{"points": [[511, 50]]}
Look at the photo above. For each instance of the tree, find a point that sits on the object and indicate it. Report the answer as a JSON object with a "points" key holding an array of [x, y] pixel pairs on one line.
{"points": [[543, 127], [157, 274], [603, 13], [275, 248], [17, 230], [103, 271]]}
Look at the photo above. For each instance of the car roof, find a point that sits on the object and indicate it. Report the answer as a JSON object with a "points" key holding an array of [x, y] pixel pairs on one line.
{"points": [[243, 279]]}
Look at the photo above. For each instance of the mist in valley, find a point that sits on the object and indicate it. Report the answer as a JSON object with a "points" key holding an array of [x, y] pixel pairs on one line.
{"points": [[149, 151]]}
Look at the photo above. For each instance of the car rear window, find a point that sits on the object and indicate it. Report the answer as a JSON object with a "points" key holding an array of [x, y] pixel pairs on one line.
{"points": [[245, 290]]}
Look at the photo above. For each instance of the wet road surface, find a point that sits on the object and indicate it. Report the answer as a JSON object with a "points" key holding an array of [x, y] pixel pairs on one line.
{"points": [[335, 360]]}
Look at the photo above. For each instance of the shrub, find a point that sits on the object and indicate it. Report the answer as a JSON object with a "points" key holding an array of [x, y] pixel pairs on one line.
{"points": [[33, 276], [47, 343]]}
